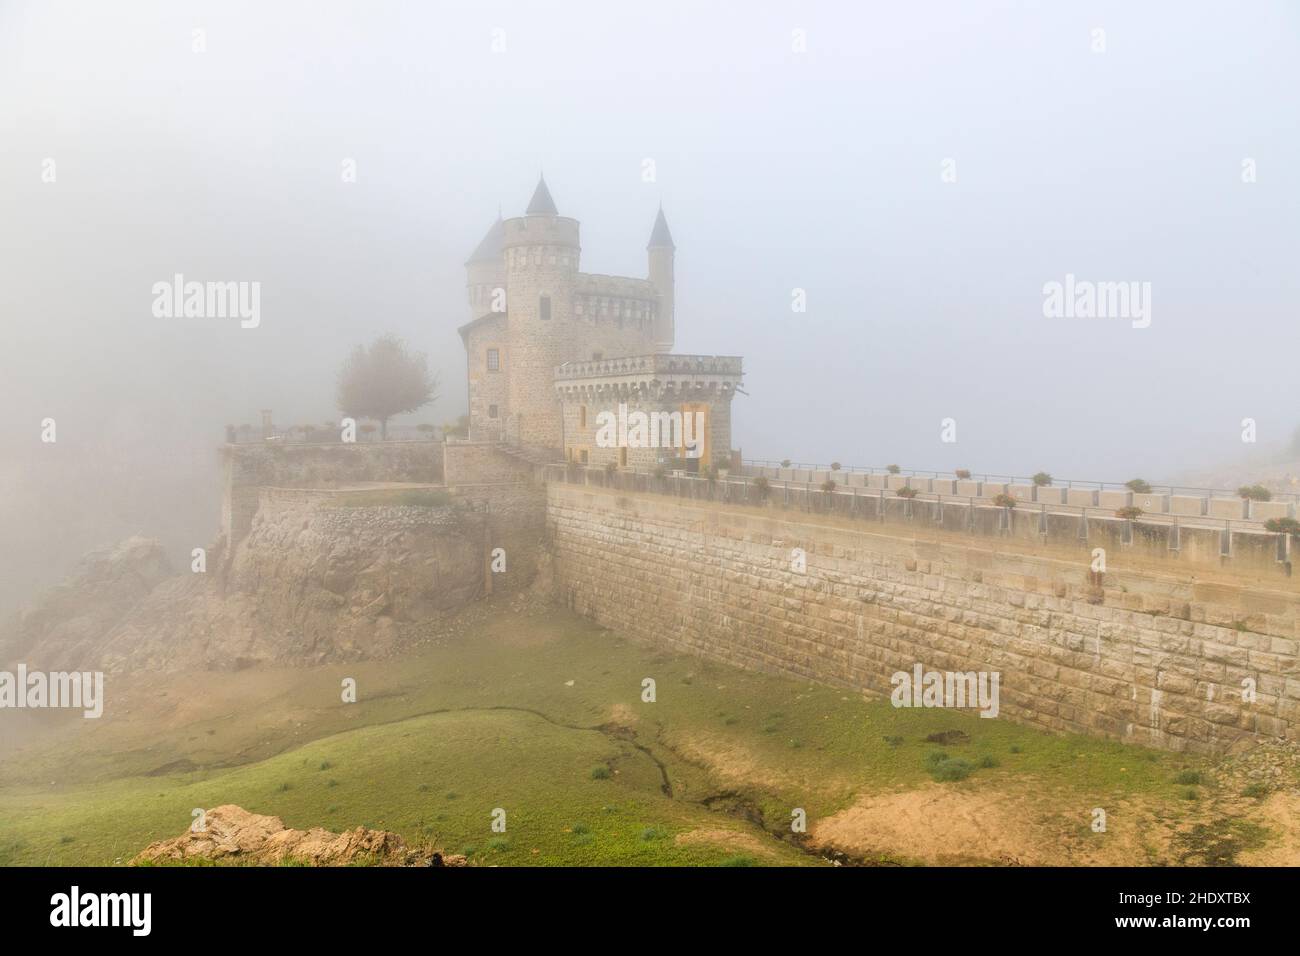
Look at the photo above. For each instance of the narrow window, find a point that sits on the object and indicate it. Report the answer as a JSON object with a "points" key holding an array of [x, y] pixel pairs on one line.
{"points": [[622, 457], [582, 416], [494, 360], [545, 307], [492, 411]]}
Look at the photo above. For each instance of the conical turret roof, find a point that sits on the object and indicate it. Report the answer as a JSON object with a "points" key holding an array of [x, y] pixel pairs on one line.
{"points": [[541, 204], [489, 249], [660, 237]]}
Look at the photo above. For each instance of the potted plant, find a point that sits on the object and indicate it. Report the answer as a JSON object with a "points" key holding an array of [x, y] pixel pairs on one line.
{"points": [[828, 486], [1138, 486], [1130, 513], [835, 466], [1004, 501], [1042, 479], [893, 469], [907, 491], [963, 474]]}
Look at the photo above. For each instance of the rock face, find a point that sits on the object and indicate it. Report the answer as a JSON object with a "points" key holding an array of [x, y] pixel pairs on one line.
{"points": [[65, 628], [231, 834], [308, 584]]}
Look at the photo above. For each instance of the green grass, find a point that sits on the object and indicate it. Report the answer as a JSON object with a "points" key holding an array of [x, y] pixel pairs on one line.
{"points": [[388, 497], [436, 742]]}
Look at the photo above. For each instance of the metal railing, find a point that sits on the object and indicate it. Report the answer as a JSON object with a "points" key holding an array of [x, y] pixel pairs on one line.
{"points": [[869, 503], [1067, 483]]}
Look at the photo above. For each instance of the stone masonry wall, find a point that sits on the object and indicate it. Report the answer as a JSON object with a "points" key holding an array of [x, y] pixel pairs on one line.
{"points": [[1155, 651], [248, 468]]}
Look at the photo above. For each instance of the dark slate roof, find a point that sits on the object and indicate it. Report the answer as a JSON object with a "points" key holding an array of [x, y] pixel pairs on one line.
{"points": [[541, 204], [490, 248], [661, 237]]}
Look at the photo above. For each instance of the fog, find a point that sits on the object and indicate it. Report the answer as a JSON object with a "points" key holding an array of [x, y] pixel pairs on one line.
{"points": [[823, 170]]}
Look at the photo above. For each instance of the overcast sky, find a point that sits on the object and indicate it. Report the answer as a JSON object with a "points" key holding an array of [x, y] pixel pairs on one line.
{"points": [[820, 170]]}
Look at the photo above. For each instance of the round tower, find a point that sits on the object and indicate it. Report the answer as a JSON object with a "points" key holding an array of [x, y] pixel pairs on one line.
{"points": [[661, 252], [540, 255]]}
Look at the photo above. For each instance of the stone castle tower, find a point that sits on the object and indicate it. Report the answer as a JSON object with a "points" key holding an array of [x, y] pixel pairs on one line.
{"points": [[533, 312]]}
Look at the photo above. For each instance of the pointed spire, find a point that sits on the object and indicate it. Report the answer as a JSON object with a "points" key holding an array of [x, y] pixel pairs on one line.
{"points": [[660, 237], [541, 204], [489, 248]]}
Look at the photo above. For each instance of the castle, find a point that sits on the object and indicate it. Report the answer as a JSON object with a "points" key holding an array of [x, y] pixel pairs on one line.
{"points": [[556, 356]]}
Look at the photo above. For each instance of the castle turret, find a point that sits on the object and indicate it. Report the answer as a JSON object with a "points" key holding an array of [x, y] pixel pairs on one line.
{"points": [[541, 252], [661, 253]]}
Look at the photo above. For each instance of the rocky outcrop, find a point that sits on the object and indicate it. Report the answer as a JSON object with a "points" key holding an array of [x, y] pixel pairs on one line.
{"points": [[231, 834], [310, 583], [69, 623]]}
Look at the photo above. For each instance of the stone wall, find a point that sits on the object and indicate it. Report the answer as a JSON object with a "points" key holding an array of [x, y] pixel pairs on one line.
{"points": [[1154, 651], [248, 468], [469, 463]]}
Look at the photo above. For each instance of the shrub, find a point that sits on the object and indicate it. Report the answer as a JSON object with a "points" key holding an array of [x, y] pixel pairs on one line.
{"points": [[835, 466], [785, 462], [828, 486], [652, 833], [1139, 486], [962, 473], [948, 769], [1186, 777], [1255, 492], [893, 469], [906, 492], [1042, 479], [600, 772], [1282, 526], [762, 487], [1129, 513], [1004, 501], [988, 760], [1256, 790]]}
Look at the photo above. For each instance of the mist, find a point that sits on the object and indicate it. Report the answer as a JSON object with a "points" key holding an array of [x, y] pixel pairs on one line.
{"points": [[920, 172]]}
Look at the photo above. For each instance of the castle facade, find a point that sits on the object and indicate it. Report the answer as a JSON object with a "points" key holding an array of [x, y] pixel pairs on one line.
{"points": [[574, 366]]}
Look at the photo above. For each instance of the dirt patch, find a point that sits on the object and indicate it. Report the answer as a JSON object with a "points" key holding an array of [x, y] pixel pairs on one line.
{"points": [[735, 840], [946, 825], [1278, 841], [730, 762], [621, 715]]}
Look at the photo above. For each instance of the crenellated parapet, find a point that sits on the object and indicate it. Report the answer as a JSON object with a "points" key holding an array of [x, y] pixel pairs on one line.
{"points": [[654, 376]]}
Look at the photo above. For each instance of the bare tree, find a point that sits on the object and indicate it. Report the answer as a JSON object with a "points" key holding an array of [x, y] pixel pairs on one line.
{"points": [[384, 380]]}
